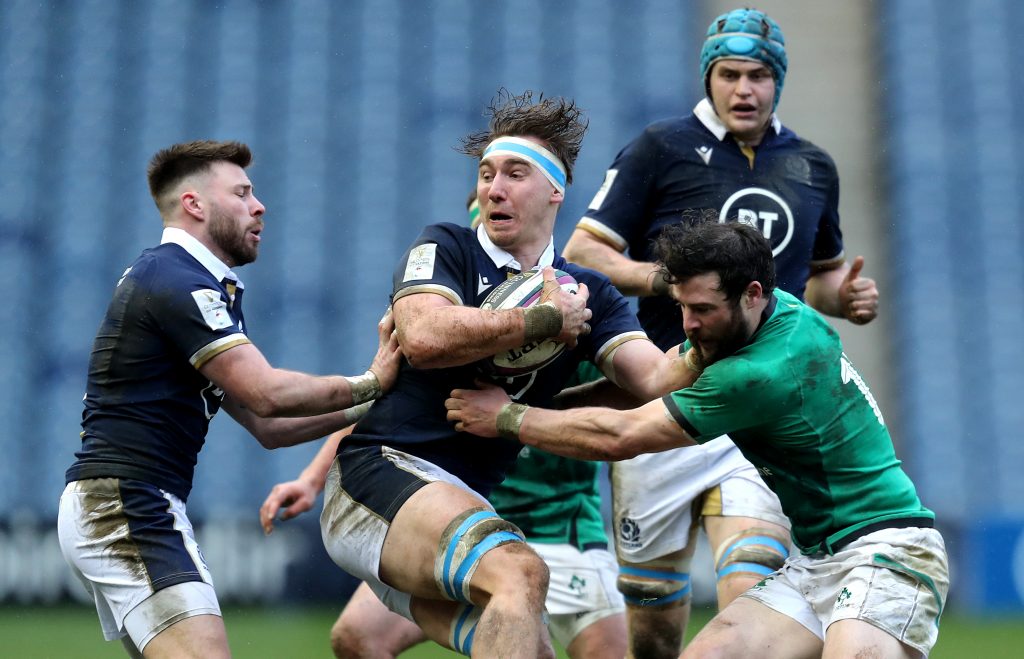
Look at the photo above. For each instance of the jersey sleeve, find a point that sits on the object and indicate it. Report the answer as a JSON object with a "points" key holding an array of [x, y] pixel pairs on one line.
{"points": [[828, 242], [730, 396], [614, 213], [192, 313], [435, 263], [613, 322]]}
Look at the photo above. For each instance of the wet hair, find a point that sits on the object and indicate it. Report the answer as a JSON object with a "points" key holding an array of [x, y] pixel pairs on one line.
{"points": [[179, 161], [558, 122], [737, 252]]}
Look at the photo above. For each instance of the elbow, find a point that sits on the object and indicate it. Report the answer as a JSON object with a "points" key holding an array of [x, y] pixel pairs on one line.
{"points": [[269, 441], [626, 446], [421, 352], [264, 403]]}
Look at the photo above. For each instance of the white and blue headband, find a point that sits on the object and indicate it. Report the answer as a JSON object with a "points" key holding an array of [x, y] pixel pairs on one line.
{"points": [[545, 161]]}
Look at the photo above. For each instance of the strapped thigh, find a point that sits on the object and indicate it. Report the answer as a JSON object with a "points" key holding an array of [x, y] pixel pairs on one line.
{"points": [[464, 543], [754, 552], [643, 586]]}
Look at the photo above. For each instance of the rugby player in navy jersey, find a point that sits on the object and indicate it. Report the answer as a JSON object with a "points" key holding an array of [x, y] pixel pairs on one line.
{"points": [[556, 503], [404, 502], [731, 157], [872, 575], [171, 351]]}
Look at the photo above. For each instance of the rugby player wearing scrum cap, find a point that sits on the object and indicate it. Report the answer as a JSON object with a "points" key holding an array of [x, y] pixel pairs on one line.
{"points": [[733, 160]]}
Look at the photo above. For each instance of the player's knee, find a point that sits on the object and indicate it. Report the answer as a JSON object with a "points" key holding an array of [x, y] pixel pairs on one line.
{"points": [[754, 552], [346, 640], [465, 542], [661, 585]]}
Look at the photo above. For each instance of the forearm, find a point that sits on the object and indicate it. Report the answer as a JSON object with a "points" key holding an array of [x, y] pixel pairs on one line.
{"points": [[315, 472], [278, 432], [585, 433], [457, 335], [252, 384], [822, 291], [601, 393], [648, 373]]}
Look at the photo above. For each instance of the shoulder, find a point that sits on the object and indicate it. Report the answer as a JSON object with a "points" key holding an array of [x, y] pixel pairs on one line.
{"points": [[447, 232], [169, 267], [806, 148]]}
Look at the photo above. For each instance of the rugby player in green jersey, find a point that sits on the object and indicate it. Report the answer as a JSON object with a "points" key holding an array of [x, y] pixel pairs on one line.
{"points": [[871, 575]]}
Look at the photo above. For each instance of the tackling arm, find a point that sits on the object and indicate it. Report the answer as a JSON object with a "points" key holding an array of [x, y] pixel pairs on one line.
{"points": [[586, 433], [640, 278], [646, 372], [252, 384]]}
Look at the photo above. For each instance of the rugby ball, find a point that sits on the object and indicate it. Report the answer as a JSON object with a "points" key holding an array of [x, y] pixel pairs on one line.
{"points": [[524, 290]]}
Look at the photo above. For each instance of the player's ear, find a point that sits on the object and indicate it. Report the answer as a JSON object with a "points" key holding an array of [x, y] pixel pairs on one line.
{"points": [[753, 293], [192, 204], [557, 196]]}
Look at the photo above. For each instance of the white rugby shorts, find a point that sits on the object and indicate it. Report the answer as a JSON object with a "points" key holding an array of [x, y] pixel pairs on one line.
{"points": [[364, 490], [654, 493], [895, 579], [582, 588], [132, 546]]}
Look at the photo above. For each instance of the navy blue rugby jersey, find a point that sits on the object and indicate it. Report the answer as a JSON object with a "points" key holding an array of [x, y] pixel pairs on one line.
{"points": [[464, 266], [791, 193], [147, 407]]}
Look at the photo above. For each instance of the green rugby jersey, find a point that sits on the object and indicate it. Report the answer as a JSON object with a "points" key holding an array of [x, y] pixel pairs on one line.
{"points": [[554, 500], [798, 410]]}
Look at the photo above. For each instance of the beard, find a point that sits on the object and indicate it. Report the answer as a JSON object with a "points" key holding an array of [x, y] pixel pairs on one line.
{"points": [[733, 337], [231, 238]]}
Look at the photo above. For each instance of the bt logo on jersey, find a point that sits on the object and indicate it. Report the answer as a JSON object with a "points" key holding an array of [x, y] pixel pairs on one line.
{"points": [[764, 210]]}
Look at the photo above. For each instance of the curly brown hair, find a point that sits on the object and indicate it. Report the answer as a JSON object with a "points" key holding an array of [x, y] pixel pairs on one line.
{"points": [[559, 122]]}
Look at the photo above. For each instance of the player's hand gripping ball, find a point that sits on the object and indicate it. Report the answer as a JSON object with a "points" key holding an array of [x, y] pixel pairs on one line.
{"points": [[524, 290]]}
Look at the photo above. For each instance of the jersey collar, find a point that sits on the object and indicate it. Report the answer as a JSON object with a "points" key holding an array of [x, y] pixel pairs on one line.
{"points": [[200, 253], [503, 259], [706, 114]]}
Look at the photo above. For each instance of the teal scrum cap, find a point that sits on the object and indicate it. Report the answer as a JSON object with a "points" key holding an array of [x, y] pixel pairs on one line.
{"points": [[745, 34]]}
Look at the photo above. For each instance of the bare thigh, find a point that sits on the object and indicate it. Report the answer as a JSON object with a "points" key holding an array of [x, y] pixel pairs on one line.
{"points": [[856, 638], [411, 545], [747, 628], [197, 637]]}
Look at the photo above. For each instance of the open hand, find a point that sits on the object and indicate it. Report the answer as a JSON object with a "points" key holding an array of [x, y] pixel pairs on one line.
{"points": [[294, 497]]}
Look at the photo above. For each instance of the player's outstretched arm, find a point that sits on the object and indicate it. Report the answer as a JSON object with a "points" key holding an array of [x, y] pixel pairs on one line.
{"points": [[252, 384], [642, 369], [586, 433], [293, 498], [843, 293], [435, 333], [640, 278]]}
